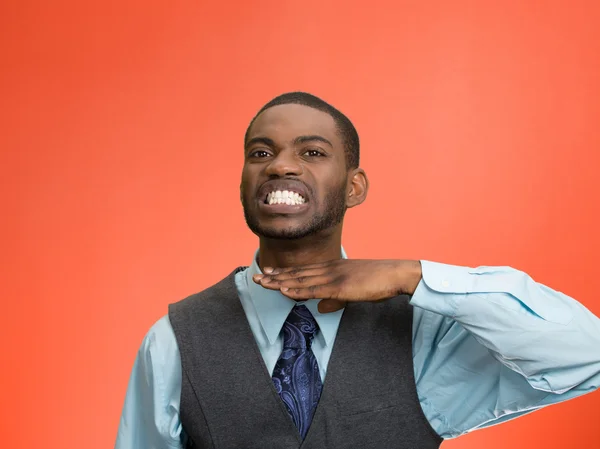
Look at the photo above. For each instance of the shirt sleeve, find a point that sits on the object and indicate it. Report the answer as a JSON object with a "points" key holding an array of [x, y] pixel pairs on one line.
{"points": [[491, 344], [150, 417]]}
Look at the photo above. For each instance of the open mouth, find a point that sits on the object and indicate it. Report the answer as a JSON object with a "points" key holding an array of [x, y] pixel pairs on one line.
{"points": [[287, 197]]}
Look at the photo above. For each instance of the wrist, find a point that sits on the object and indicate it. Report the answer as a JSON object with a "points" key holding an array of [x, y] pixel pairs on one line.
{"points": [[410, 274]]}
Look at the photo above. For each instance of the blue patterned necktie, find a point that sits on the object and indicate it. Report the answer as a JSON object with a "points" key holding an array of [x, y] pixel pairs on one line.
{"points": [[296, 374]]}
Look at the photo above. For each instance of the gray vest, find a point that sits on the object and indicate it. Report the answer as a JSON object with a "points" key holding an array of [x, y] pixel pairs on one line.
{"points": [[369, 397]]}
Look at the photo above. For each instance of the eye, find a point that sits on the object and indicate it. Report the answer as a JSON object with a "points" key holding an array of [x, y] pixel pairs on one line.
{"points": [[314, 153], [259, 153]]}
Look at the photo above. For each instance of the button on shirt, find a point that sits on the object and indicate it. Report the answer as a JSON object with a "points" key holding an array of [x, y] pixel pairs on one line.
{"points": [[489, 344]]}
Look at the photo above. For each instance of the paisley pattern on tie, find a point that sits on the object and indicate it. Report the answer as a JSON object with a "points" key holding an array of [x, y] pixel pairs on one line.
{"points": [[296, 375]]}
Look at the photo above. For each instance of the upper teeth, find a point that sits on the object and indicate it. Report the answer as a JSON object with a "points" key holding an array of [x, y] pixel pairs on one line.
{"points": [[285, 197]]}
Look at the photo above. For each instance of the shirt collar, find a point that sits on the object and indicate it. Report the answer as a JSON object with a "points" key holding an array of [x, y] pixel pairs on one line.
{"points": [[272, 308]]}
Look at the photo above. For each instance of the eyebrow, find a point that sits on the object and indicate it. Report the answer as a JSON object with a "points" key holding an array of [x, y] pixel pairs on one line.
{"points": [[303, 139], [263, 140], [297, 141]]}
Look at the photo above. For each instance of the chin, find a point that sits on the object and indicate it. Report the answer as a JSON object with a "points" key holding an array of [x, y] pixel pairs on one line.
{"points": [[281, 233], [278, 228]]}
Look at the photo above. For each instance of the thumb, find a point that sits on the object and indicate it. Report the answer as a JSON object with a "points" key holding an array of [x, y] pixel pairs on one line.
{"points": [[330, 305]]}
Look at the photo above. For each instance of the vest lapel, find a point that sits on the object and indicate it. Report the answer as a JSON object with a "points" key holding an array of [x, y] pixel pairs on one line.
{"points": [[255, 365], [251, 359], [327, 399]]}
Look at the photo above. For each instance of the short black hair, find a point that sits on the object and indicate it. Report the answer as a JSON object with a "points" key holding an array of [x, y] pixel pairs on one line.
{"points": [[345, 127]]}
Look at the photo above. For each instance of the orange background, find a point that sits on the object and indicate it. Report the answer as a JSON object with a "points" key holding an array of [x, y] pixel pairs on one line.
{"points": [[121, 136]]}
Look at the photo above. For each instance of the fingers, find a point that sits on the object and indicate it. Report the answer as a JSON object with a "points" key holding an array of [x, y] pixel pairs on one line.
{"points": [[314, 291], [302, 277], [302, 282], [297, 270], [324, 292], [302, 288]]}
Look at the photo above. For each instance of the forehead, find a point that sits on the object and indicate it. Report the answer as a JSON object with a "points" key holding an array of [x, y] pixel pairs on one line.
{"points": [[288, 121]]}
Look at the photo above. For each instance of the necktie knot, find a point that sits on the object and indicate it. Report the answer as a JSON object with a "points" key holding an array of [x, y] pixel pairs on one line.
{"points": [[299, 328]]}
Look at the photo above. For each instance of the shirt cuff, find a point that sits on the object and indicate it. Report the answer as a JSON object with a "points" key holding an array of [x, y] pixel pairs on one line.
{"points": [[442, 287]]}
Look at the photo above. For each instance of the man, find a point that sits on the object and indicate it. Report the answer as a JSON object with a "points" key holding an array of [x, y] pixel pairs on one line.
{"points": [[393, 354]]}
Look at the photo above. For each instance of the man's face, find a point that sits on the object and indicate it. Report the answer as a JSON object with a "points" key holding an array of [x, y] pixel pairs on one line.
{"points": [[294, 178]]}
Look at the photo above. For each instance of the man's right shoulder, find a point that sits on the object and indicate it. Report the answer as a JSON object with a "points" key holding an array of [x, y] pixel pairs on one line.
{"points": [[160, 337]]}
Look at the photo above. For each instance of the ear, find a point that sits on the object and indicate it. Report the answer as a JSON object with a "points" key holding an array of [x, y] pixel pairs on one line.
{"points": [[358, 187]]}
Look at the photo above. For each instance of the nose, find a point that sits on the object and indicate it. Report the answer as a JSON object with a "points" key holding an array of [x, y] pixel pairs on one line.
{"points": [[284, 164]]}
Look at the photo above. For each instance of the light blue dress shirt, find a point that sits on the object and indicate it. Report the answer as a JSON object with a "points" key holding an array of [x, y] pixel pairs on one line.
{"points": [[489, 345]]}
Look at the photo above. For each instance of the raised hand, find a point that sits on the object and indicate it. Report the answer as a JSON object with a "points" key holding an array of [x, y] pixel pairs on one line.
{"points": [[343, 280]]}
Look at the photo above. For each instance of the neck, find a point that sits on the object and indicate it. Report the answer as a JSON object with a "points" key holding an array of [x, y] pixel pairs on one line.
{"points": [[293, 253]]}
